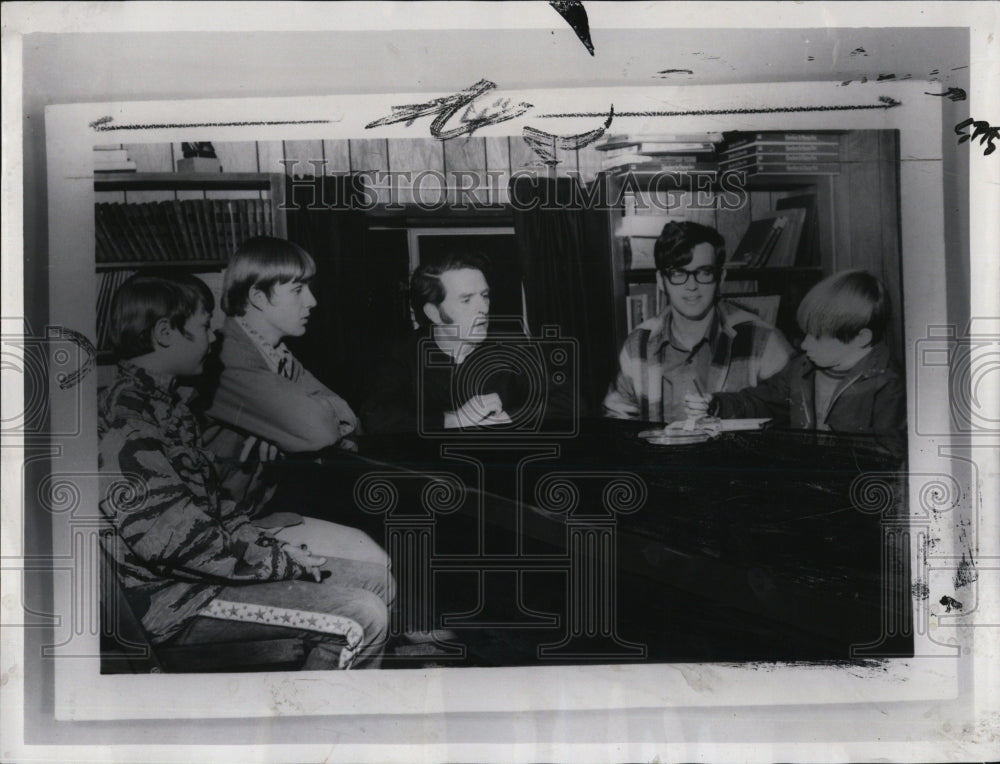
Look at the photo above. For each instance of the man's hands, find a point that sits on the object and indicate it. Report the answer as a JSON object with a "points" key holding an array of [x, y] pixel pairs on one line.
{"points": [[301, 555], [478, 411], [696, 406]]}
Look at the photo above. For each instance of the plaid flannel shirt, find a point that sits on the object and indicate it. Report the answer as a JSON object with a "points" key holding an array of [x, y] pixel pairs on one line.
{"points": [[744, 351]]}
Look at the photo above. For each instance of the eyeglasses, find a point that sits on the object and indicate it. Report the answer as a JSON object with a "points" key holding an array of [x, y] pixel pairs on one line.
{"points": [[679, 276]]}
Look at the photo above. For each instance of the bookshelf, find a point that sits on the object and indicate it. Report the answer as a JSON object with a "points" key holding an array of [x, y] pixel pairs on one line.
{"points": [[730, 203], [192, 230]]}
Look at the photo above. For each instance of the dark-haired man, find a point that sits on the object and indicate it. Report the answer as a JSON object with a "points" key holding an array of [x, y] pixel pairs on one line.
{"points": [[445, 375], [699, 344]]}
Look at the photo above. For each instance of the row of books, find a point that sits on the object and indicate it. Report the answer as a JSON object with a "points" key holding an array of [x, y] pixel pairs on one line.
{"points": [[170, 231], [770, 241], [782, 154], [787, 236]]}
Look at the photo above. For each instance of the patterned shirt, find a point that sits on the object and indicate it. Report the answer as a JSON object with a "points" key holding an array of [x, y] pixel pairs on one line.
{"points": [[177, 541], [743, 351]]}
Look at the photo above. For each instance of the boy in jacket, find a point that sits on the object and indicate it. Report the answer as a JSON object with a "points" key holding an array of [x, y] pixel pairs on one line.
{"points": [[843, 381]]}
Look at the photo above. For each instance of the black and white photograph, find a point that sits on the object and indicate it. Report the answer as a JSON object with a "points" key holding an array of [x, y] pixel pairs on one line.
{"points": [[501, 382]]}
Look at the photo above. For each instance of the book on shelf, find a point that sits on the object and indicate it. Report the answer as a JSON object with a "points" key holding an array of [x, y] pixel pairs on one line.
{"points": [[755, 167], [770, 242], [784, 249], [785, 153], [779, 137], [777, 247], [664, 148], [807, 253], [187, 248], [169, 228], [641, 150], [752, 244], [659, 141]]}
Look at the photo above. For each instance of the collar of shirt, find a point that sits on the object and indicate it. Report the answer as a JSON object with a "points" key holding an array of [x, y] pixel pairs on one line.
{"points": [[273, 354], [723, 326], [667, 335], [162, 386]]}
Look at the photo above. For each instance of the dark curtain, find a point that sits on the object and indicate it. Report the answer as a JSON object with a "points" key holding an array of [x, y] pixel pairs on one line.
{"points": [[565, 260], [325, 218]]}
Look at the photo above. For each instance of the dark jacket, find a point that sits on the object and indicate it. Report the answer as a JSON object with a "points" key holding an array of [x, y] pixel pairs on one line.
{"points": [[870, 400], [418, 382]]}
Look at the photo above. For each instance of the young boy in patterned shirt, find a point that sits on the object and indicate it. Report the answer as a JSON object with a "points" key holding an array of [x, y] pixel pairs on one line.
{"points": [[193, 564]]}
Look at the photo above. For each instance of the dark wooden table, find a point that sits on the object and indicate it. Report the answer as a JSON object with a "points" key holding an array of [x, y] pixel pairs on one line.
{"points": [[758, 546]]}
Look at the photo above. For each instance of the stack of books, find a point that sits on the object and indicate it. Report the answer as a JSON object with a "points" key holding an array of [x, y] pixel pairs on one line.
{"points": [[112, 159], [178, 231], [779, 153], [690, 152]]}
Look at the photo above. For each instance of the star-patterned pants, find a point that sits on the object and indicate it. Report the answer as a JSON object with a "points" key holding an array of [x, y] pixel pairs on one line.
{"points": [[343, 620]]}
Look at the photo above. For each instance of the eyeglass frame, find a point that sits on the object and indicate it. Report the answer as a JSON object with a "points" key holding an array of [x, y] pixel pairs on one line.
{"points": [[714, 272]]}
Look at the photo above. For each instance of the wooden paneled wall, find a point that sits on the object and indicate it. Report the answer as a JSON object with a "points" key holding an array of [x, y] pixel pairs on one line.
{"points": [[866, 223], [462, 161]]}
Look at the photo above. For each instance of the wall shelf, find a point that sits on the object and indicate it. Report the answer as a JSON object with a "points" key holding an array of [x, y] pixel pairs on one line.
{"points": [[188, 181]]}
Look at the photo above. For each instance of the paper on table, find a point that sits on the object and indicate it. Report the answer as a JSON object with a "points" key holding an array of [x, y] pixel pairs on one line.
{"points": [[732, 425]]}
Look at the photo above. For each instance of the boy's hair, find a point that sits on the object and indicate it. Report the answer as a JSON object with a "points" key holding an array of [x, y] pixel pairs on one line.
{"points": [[674, 244], [843, 304], [144, 299], [426, 286], [263, 262]]}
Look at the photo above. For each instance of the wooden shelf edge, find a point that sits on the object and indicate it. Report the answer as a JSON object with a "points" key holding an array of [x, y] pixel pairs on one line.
{"points": [[183, 181], [140, 264]]}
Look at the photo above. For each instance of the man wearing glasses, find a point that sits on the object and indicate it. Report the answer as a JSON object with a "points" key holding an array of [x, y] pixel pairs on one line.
{"points": [[698, 345]]}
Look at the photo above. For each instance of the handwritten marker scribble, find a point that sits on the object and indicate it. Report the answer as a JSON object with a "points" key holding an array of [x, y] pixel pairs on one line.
{"points": [[884, 102], [104, 124], [954, 94], [444, 108]]}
